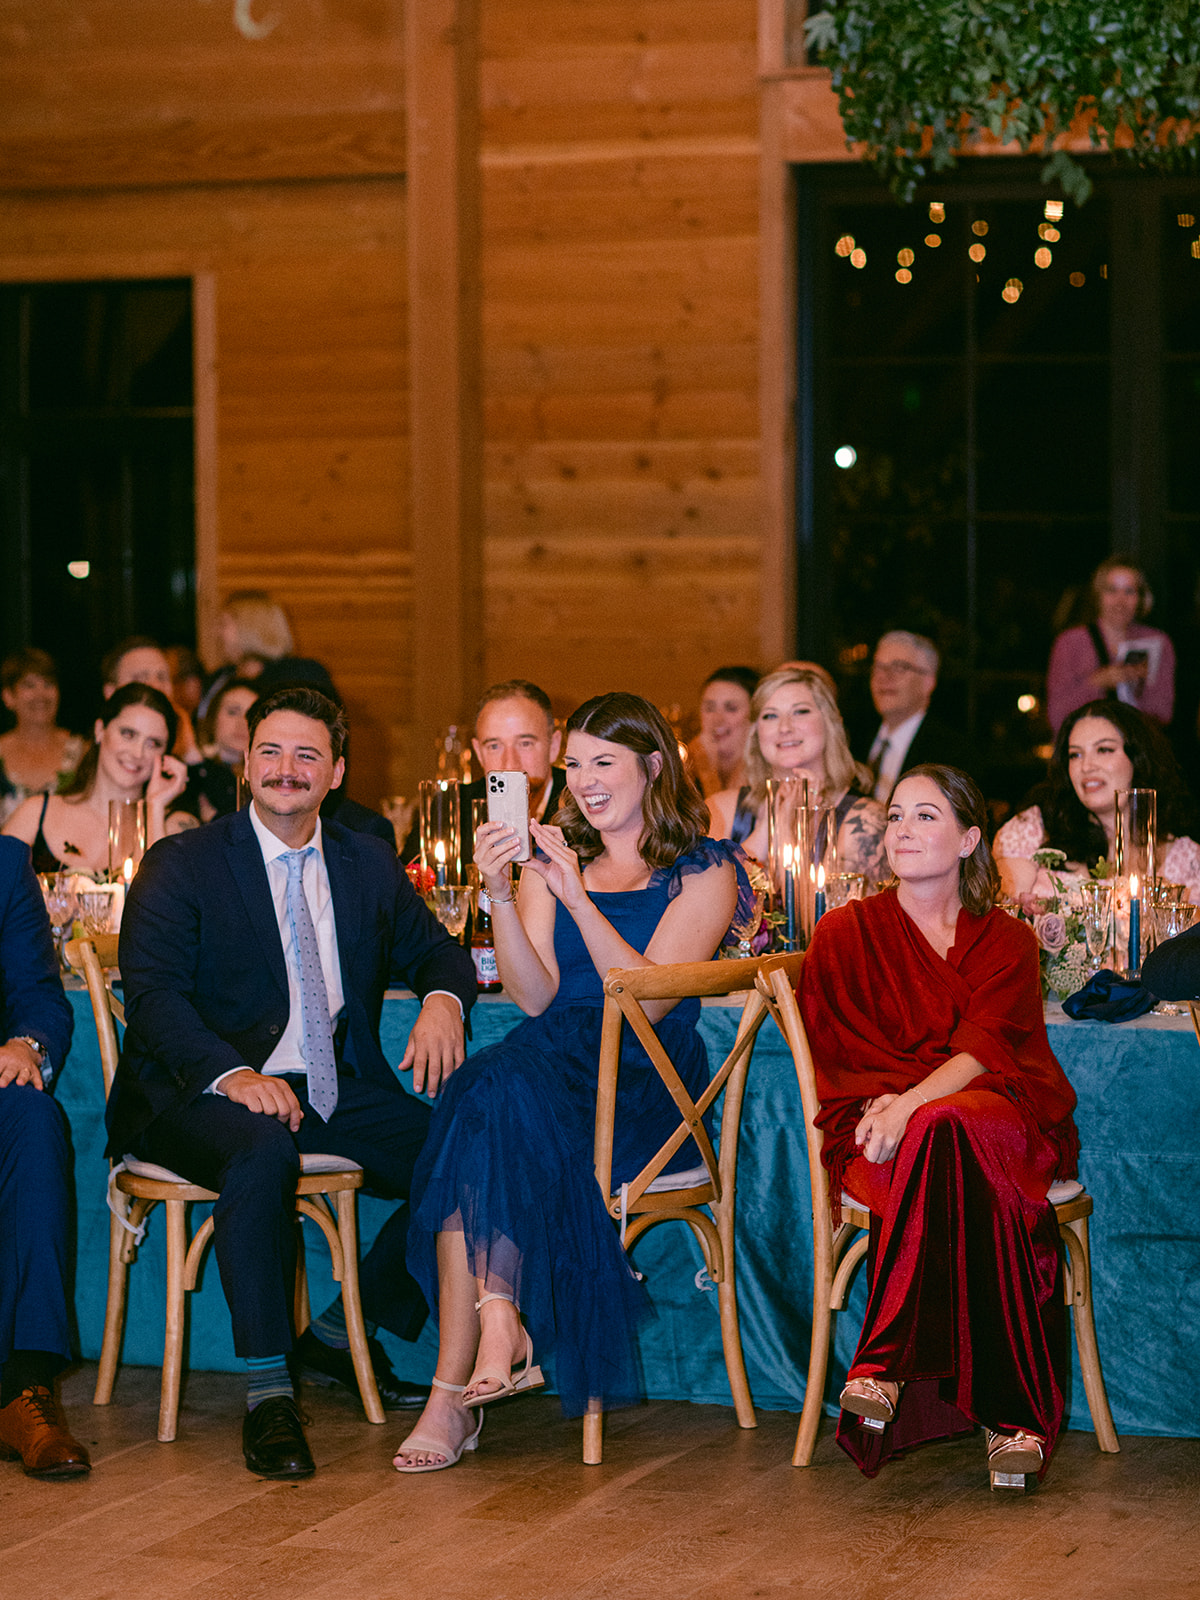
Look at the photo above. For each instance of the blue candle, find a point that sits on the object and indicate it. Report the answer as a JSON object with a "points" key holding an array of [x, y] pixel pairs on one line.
{"points": [[1135, 927], [789, 898], [819, 901]]}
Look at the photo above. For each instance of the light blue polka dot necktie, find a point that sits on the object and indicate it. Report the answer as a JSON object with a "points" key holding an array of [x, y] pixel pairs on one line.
{"points": [[316, 1033]]}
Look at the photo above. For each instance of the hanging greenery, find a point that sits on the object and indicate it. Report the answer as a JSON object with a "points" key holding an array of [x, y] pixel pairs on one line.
{"points": [[918, 82]]}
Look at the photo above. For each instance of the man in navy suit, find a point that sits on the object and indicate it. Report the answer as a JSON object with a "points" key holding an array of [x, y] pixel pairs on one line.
{"points": [[35, 1022], [255, 953]]}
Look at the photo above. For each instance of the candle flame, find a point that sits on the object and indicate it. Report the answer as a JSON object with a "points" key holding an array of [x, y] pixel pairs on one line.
{"points": [[439, 853], [787, 858], [820, 878], [127, 871], [1133, 885]]}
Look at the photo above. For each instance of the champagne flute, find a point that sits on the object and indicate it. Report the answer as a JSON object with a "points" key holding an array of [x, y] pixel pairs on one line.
{"points": [[1173, 919], [61, 906], [1096, 900]]}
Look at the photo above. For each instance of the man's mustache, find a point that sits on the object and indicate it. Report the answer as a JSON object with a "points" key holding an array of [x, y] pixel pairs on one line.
{"points": [[279, 783]]}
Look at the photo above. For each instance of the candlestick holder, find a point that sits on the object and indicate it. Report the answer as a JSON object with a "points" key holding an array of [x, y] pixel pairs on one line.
{"points": [[126, 839], [441, 841]]}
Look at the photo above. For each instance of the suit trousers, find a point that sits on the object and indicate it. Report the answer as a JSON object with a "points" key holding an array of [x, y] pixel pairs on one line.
{"points": [[35, 1220], [253, 1161]]}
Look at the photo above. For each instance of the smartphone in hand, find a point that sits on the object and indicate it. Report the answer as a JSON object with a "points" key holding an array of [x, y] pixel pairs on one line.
{"points": [[508, 802]]}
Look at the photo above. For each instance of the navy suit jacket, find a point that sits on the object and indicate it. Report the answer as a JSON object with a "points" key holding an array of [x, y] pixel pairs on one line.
{"points": [[31, 993], [202, 963], [1172, 970]]}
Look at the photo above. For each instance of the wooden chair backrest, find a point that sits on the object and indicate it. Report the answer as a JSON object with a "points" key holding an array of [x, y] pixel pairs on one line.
{"points": [[1194, 1007], [779, 994], [90, 957], [625, 995]]}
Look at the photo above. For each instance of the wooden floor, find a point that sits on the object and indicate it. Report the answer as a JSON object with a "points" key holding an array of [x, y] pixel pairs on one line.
{"points": [[685, 1507]]}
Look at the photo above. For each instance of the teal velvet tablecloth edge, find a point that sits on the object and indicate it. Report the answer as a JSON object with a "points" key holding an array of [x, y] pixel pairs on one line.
{"points": [[1139, 1098]]}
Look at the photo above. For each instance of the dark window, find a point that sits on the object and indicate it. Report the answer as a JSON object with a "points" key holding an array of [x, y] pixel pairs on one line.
{"points": [[96, 471], [1021, 394]]}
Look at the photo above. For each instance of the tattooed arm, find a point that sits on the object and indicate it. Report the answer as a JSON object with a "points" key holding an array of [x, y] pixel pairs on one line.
{"points": [[860, 841]]}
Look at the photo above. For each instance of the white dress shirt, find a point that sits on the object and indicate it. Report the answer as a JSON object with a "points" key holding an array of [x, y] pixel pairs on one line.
{"points": [[897, 740]]}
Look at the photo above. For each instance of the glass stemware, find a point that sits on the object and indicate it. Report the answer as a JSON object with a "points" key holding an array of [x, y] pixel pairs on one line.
{"points": [[1170, 920], [96, 911], [1096, 913], [61, 907], [451, 905]]}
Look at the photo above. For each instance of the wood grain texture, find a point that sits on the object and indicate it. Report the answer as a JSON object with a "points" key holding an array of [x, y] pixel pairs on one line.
{"points": [[620, 168], [687, 1506]]}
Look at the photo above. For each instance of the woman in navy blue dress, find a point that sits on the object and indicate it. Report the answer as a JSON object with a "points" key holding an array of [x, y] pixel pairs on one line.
{"points": [[509, 1229]]}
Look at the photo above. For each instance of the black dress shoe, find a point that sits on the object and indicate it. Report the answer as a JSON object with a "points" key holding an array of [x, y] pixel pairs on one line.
{"points": [[273, 1441], [338, 1365]]}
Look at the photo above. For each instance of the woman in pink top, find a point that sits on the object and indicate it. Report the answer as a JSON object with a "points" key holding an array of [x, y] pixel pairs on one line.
{"points": [[1114, 655]]}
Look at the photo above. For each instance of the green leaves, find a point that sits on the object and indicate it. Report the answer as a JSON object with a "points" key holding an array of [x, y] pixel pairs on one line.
{"points": [[919, 80]]}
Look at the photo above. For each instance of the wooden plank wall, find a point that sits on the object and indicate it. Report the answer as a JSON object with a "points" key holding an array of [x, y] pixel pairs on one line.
{"points": [[140, 137], [620, 220]]}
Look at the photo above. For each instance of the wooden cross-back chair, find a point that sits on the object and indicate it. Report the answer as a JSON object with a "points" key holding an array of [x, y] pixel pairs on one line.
{"points": [[136, 1187], [655, 1196], [837, 1250]]}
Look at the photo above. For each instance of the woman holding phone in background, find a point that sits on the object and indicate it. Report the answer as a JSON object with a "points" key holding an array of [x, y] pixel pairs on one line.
{"points": [[508, 1225]]}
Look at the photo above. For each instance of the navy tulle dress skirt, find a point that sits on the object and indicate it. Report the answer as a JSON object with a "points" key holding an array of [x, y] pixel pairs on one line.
{"points": [[509, 1158]]}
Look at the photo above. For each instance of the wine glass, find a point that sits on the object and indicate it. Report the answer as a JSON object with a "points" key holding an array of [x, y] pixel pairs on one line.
{"points": [[1096, 902], [843, 886], [451, 905], [1171, 920], [95, 911], [61, 906]]}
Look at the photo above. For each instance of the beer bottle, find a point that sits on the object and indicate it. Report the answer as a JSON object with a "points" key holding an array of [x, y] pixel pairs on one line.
{"points": [[483, 948]]}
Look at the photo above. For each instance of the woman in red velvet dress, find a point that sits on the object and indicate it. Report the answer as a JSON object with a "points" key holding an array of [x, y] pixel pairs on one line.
{"points": [[946, 1114]]}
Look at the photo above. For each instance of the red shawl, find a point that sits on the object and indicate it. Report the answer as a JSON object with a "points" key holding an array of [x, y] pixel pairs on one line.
{"points": [[883, 1009]]}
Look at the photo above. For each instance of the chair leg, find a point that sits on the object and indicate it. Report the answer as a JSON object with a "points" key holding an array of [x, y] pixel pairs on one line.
{"points": [[593, 1434], [1085, 1335], [114, 1314], [731, 1340], [352, 1306], [301, 1309], [814, 1389], [172, 1369]]}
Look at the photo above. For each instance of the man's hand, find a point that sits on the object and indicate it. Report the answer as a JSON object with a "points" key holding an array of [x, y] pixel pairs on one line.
{"points": [[18, 1064], [259, 1092], [435, 1045]]}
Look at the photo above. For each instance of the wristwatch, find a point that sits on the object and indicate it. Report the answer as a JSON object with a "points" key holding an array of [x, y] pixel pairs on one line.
{"points": [[36, 1045]]}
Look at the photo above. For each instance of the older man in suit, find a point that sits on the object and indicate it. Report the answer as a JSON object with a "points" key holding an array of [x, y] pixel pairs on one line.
{"points": [[904, 674], [255, 953], [35, 1023]]}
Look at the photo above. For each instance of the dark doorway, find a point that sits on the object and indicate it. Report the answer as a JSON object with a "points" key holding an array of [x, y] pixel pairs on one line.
{"points": [[994, 393], [96, 472]]}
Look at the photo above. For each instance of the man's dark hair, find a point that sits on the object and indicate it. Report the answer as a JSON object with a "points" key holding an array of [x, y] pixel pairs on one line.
{"points": [[305, 703], [745, 678], [135, 641], [517, 689]]}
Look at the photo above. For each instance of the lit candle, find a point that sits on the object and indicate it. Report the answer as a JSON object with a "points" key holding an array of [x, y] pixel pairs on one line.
{"points": [[439, 868], [819, 901], [1135, 926], [789, 897], [127, 871]]}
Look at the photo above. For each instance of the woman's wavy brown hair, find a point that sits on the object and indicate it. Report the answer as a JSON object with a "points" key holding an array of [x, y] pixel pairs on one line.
{"points": [[673, 809], [978, 875]]}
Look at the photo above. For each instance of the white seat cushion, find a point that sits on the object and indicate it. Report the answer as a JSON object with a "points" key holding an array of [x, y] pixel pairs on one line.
{"points": [[1062, 1191], [693, 1178], [309, 1165]]}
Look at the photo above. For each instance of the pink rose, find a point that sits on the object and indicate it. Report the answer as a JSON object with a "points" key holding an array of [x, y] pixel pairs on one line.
{"points": [[1051, 930]]}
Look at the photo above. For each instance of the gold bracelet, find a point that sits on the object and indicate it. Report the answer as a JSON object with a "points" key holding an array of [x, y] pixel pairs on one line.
{"points": [[495, 900]]}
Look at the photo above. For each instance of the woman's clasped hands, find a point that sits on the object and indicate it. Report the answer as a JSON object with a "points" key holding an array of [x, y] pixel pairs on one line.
{"points": [[882, 1124]]}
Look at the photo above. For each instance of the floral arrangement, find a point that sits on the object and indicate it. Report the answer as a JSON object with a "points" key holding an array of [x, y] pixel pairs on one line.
{"points": [[1066, 965], [752, 929]]}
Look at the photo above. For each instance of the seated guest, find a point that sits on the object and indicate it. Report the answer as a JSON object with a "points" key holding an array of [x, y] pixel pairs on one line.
{"points": [[1114, 654], [507, 1217], [254, 630], [128, 761], [514, 732], [945, 1113], [904, 674], [718, 752], [37, 755], [1172, 969], [140, 659], [35, 1197], [225, 735], [255, 953], [187, 678], [1100, 748], [797, 731]]}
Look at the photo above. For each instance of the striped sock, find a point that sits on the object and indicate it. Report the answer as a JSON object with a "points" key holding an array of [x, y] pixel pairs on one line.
{"points": [[266, 1378], [330, 1326]]}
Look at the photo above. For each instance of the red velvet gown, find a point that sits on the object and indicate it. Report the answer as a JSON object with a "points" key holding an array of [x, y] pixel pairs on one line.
{"points": [[964, 1301]]}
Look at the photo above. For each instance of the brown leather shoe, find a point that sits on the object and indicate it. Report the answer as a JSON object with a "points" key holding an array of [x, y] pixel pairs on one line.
{"points": [[33, 1427]]}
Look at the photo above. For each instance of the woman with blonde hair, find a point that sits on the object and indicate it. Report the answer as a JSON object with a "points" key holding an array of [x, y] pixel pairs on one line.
{"points": [[796, 730]]}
